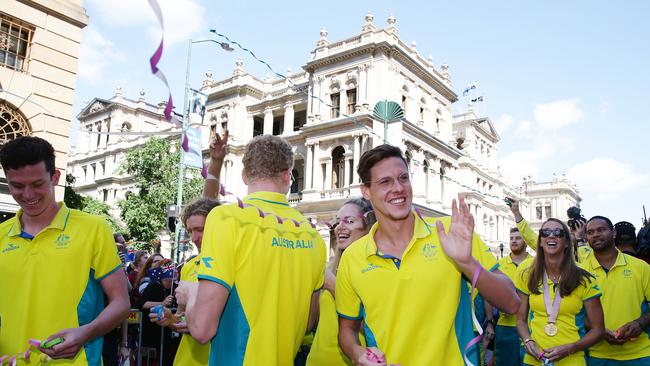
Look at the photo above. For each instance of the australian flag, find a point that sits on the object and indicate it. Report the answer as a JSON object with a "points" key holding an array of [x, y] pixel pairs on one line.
{"points": [[469, 87]]}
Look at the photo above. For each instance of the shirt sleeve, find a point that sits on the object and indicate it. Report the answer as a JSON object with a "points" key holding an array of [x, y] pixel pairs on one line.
{"points": [[321, 274], [348, 303], [591, 290], [105, 258], [218, 247], [527, 233], [521, 280]]}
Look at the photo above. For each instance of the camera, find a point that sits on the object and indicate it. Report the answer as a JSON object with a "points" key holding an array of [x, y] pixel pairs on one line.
{"points": [[574, 216]]}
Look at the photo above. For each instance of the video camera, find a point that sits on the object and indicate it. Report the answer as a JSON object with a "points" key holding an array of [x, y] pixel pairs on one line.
{"points": [[574, 216]]}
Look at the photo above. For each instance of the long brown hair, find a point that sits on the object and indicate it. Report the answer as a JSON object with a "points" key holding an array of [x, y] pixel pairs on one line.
{"points": [[571, 276]]}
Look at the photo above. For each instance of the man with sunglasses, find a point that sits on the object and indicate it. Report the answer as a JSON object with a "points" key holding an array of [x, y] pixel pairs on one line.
{"points": [[406, 281], [625, 284]]}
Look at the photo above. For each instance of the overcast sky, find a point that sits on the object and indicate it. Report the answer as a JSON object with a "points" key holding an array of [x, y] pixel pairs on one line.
{"points": [[564, 82]]}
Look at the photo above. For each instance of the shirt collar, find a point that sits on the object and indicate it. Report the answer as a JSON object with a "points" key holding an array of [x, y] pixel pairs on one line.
{"points": [[421, 229], [620, 260], [269, 197], [59, 221], [509, 258]]}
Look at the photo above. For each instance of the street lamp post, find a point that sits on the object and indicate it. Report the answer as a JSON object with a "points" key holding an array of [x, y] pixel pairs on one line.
{"points": [[184, 125]]}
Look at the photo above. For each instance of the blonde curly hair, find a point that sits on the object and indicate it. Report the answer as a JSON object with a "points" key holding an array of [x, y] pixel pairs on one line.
{"points": [[266, 157]]}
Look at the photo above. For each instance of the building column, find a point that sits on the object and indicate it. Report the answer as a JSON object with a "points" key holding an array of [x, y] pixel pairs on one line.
{"points": [[309, 166], [268, 121], [316, 168], [437, 182], [318, 93], [361, 85], [328, 174], [343, 102], [356, 151], [89, 138], [102, 138], [288, 119], [346, 175]]}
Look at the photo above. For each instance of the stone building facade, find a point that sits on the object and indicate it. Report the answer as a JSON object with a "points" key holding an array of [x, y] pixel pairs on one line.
{"points": [[39, 51], [325, 111]]}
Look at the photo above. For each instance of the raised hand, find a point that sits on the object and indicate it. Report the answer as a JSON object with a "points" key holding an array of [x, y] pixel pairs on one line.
{"points": [[457, 243], [218, 147]]}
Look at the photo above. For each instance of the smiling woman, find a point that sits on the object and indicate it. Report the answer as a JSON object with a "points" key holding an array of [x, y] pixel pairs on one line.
{"points": [[554, 291]]}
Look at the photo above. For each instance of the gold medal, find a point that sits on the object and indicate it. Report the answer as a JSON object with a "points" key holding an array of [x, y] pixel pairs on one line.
{"points": [[550, 329]]}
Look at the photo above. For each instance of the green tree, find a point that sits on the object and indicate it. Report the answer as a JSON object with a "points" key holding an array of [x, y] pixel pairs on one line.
{"points": [[154, 167], [71, 198], [88, 204]]}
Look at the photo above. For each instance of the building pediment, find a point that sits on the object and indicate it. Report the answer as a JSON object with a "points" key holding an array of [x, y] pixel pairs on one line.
{"points": [[95, 106], [485, 126]]}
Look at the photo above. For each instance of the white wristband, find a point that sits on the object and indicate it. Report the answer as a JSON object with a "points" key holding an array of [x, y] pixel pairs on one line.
{"points": [[211, 177]]}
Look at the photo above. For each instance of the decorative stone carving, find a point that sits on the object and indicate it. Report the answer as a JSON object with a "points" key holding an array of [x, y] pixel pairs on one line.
{"points": [[239, 68], [97, 106], [369, 26], [322, 42]]}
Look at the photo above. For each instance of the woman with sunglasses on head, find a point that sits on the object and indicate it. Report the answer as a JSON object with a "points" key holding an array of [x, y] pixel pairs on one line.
{"points": [[354, 220], [555, 295]]}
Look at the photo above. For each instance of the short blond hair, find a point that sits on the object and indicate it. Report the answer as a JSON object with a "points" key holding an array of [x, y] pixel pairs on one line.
{"points": [[266, 157]]}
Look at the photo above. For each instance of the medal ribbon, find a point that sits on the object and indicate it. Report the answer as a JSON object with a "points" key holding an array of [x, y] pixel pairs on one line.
{"points": [[552, 309]]}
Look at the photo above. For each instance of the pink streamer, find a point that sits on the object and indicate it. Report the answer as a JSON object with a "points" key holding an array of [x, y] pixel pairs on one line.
{"points": [[281, 220], [153, 62]]}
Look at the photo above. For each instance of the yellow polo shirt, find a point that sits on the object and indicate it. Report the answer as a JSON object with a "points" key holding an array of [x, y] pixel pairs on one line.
{"points": [[509, 268], [626, 288], [52, 281], [325, 349], [271, 270], [417, 310], [191, 352], [570, 320]]}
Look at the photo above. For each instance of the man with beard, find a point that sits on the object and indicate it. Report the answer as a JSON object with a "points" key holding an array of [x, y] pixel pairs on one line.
{"points": [[625, 284], [404, 280], [507, 347]]}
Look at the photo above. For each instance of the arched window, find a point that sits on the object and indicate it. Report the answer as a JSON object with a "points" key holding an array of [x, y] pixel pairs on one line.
{"points": [[13, 123], [538, 211], [338, 167]]}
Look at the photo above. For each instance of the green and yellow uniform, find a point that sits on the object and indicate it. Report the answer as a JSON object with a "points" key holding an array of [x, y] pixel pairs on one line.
{"points": [[325, 349], [190, 352], [416, 309], [51, 281], [570, 319], [271, 270], [507, 346], [626, 289]]}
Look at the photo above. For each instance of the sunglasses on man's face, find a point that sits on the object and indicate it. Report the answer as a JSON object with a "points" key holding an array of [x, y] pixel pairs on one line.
{"points": [[557, 232]]}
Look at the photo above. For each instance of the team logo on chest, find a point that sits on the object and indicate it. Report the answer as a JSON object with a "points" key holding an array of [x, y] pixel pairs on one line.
{"points": [[62, 241], [627, 273], [429, 251], [10, 247]]}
